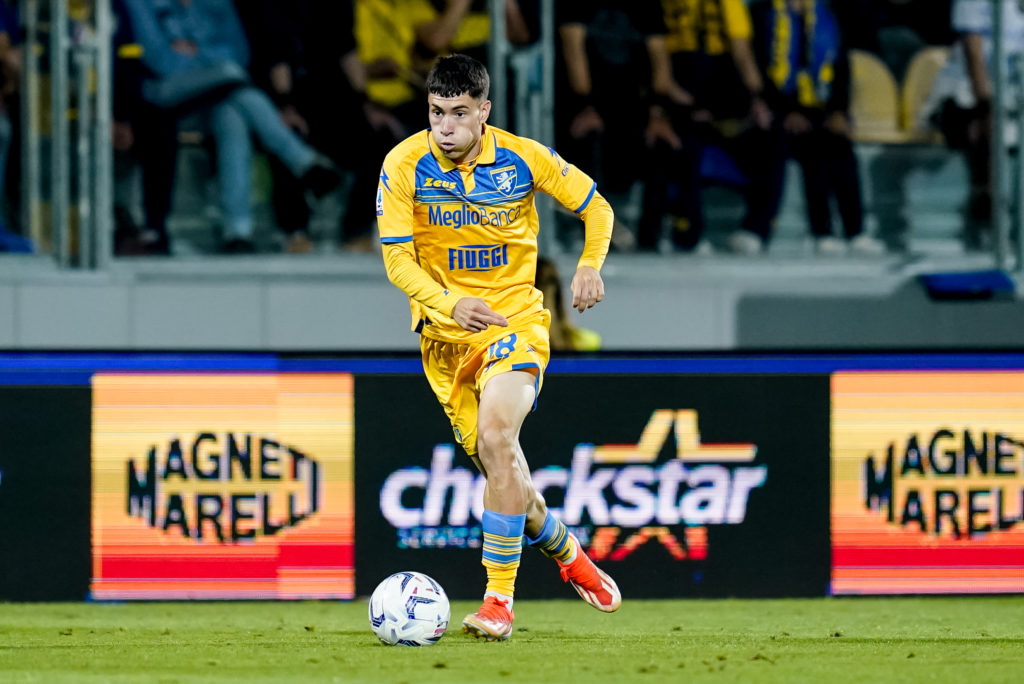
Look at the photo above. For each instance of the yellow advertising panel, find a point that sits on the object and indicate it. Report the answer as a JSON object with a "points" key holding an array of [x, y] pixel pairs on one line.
{"points": [[927, 482], [222, 486]]}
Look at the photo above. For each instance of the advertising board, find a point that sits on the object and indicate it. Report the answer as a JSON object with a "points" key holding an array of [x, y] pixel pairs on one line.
{"points": [[928, 482], [677, 485], [235, 485], [44, 493]]}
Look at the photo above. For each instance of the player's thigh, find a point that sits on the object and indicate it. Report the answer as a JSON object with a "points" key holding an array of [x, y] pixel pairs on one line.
{"points": [[506, 400], [511, 373]]}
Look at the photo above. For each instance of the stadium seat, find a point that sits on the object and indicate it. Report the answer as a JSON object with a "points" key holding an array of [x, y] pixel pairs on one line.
{"points": [[874, 100], [917, 84]]}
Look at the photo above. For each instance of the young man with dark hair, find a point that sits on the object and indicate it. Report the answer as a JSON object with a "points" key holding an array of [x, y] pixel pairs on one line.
{"points": [[455, 210]]}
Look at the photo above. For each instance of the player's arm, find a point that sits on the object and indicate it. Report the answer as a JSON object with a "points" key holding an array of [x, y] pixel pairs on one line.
{"points": [[409, 277], [395, 195], [577, 192], [587, 285], [472, 313], [394, 222]]}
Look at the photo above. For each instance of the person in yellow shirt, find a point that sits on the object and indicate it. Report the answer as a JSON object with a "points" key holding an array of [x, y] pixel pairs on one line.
{"points": [[458, 227]]}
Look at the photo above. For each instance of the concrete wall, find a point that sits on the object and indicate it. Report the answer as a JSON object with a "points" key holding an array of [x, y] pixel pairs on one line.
{"points": [[655, 303]]}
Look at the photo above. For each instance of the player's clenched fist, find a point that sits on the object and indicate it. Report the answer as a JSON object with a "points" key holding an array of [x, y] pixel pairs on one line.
{"points": [[473, 314], [587, 288]]}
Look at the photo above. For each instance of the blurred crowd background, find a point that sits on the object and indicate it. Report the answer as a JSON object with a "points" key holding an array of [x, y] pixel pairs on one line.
{"points": [[259, 126]]}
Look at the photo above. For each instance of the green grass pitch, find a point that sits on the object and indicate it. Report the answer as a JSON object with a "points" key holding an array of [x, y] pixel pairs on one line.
{"points": [[814, 640]]}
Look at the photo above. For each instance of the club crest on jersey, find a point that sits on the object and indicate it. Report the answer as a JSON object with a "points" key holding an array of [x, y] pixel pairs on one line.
{"points": [[505, 180]]}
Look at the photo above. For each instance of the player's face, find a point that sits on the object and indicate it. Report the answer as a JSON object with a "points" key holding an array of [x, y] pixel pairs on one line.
{"points": [[456, 124]]}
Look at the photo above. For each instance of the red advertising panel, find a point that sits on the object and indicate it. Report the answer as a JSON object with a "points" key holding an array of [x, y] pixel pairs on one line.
{"points": [[222, 486], [927, 482]]}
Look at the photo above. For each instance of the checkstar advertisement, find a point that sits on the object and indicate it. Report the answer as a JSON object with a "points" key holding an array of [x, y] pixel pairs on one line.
{"points": [[928, 483], [222, 486], [676, 485]]}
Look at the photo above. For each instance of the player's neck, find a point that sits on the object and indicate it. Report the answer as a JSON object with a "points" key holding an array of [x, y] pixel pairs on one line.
{"points": [[471, 156]]}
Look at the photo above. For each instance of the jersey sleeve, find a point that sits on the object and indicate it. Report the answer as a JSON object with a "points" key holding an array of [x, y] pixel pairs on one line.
{"points": [[577, 192], [394, 202], [738, 25], [395, 196]]}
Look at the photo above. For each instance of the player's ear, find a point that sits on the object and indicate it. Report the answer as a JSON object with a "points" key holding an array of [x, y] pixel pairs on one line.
{"points": [[485, 111]]}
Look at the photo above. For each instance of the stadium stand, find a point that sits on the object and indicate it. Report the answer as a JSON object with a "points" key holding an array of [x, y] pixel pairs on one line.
{"points": [[875, 100], [917, 84]]}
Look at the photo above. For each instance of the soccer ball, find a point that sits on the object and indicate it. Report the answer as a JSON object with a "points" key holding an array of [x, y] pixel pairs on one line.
{"points": [[409, 609]]}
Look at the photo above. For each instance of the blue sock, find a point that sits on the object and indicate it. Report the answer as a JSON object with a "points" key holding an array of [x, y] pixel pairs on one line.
{"points": [[554, 540], [503, 546]]}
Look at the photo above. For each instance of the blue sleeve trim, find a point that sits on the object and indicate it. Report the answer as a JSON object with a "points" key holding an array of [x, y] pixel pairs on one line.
{"points": [[395, 240], [593, 189]]}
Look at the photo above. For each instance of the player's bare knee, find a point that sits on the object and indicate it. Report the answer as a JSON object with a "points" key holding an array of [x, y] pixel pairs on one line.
{"points": [[497, 448]]}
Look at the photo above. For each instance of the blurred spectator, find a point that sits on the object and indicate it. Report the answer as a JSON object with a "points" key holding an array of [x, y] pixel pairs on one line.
{"points": [[604, 88], [302, 50], [895, 30], [961, 99], [807, 87], [714, 101], [144, 138], [564, 335], [464, 26], [196, 52], [385, 34], [10, 86]]}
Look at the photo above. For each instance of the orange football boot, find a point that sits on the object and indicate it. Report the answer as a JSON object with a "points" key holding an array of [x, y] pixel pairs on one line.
{"points": [[493, 621], [592, 584]]}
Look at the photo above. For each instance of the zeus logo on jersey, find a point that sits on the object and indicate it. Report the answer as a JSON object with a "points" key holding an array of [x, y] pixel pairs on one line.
{"points": [[477, 257], [468, 215]]}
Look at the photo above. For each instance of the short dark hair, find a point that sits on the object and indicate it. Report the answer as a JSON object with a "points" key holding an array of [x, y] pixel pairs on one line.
{"points": [[456, 74]]}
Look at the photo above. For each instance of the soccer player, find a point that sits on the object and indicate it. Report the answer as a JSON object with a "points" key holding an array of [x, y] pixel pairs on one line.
{"points": [[455, 210]]}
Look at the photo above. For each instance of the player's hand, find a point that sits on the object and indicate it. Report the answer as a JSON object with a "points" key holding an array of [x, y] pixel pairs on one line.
{"points": [[473, 314], [587, 288]]}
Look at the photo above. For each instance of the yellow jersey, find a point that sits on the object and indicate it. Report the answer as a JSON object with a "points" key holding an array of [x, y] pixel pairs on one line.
{"points": [[705, 25], [386, 30], [450, 231]]}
